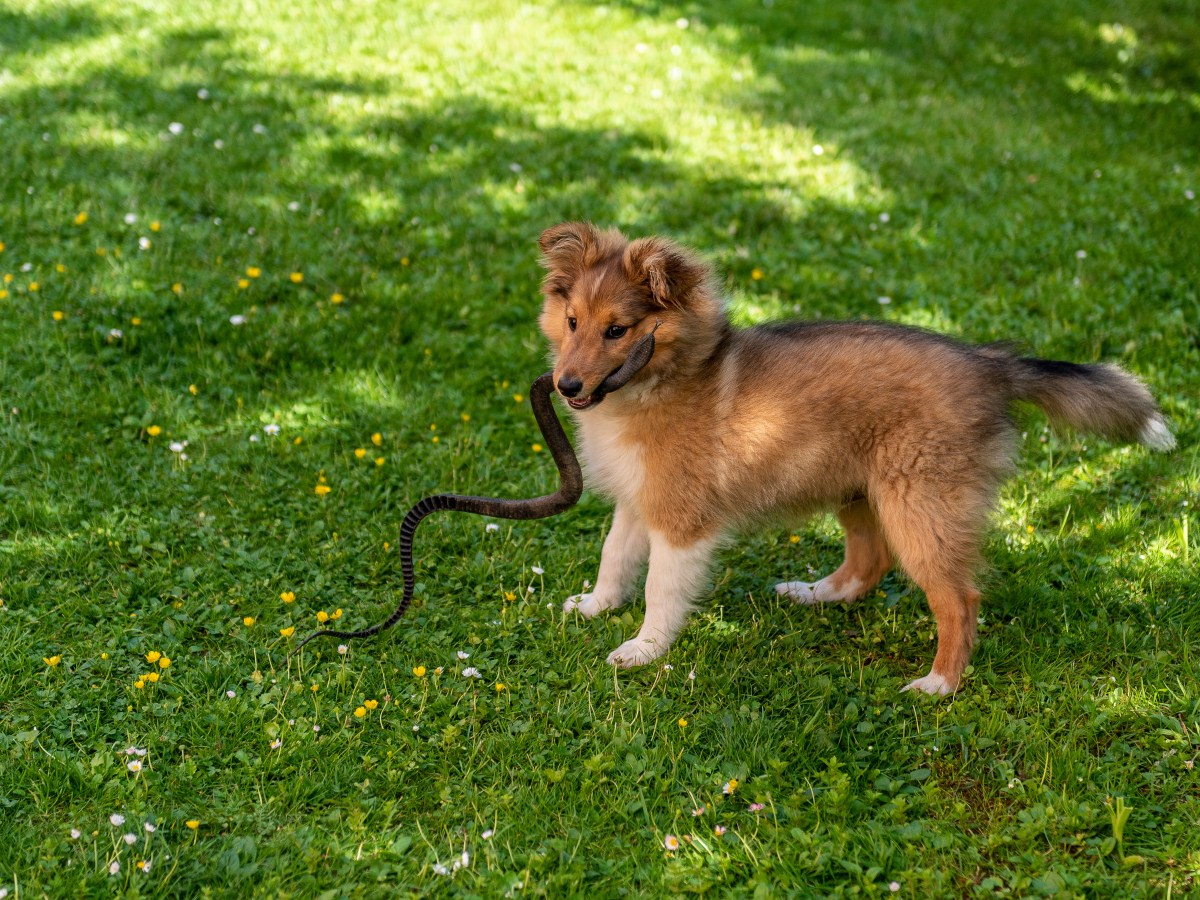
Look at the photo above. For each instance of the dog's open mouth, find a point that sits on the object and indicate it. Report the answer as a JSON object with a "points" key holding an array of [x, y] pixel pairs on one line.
{"points": [[585, 402]]}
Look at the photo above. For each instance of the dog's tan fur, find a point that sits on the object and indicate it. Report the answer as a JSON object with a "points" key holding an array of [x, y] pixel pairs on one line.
{"points": [[904, 433]]}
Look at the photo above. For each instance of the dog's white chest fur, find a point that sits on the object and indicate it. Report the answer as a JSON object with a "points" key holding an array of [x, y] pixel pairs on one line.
{"points": [[613, 463]]}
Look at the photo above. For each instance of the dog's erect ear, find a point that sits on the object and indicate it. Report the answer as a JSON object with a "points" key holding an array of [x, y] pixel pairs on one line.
{"points": [[566, 251], [666, 269]]}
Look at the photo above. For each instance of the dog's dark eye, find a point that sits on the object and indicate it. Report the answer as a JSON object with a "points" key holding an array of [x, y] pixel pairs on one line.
{"points": [[615, 331], [571, 322]]}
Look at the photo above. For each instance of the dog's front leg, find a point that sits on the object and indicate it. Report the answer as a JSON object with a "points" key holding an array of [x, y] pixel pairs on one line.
{"points": [[676, 575], [621, 561]]}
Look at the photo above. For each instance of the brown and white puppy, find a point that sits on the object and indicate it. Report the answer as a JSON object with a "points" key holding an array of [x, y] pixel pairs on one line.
{"points": [[905, 434]]}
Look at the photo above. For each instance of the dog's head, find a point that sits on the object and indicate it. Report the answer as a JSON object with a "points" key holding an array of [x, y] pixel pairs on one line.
{"points": [[603, 293]]}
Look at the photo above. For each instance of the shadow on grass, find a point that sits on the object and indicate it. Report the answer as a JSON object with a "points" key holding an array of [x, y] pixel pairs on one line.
{"points": [[25, 32]]}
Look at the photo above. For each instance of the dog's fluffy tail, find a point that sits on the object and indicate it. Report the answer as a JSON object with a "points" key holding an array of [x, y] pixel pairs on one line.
{"points": [[1095, 397]]}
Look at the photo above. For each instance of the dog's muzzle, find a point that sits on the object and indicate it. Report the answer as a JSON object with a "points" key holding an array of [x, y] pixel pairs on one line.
{"points": [[637, 359]]}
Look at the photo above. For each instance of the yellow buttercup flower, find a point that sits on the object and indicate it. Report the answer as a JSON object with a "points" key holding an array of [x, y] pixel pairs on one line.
{"points": [[151, 676], [360, 712], [253, 271], [243, 283], [683, 723], [139, 684], [52, 661], [360, 453], [81, 218], [287, 596], [135, 321], [153, 656], [501, 686], [537, 448], [154, 431], [248, 621], [377, 439], [60, 268], [177, 288], [34, 287], [757, 274], [322, 489], [379, 460], [164, 663], [419, 671], [192, 824], [370, 704], [296, 277], [3, 294], [287, 632], [193, 390], [322, 617], [156, 226], [336, 299]]}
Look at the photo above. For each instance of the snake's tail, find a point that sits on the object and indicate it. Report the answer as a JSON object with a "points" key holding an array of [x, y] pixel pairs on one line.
{"points": [[408, 528]]}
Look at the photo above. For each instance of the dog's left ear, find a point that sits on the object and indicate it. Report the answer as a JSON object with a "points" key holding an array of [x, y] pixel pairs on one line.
{"points": [[666, 269]]}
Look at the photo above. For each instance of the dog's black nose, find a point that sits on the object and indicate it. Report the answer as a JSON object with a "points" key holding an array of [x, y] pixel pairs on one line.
{"points": [[569, 386]]}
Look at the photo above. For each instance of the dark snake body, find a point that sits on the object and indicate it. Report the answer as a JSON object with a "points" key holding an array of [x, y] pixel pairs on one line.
{"points": [[570, 484]]}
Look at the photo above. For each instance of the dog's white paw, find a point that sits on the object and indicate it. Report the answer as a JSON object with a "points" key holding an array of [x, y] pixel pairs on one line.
{"points": [[823, 591], [636, 652], [587, 605], [933, 684]]}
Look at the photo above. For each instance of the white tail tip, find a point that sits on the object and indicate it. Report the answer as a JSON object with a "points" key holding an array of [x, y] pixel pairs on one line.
{"points": [[1156, 435]]}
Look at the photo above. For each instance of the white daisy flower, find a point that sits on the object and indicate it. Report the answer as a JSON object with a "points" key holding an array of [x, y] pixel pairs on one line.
{"points": [[117, 819], [272, 429], [134, 766], [538, 570], [114, 867], [175, 128], [237, 320], [129, 839], [462, 655], [471, 672], [491, 527]]}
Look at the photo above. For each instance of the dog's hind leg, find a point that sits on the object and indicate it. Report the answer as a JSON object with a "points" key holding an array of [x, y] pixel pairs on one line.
{"points": [[625, 552], [867, 561], [937, 544]]}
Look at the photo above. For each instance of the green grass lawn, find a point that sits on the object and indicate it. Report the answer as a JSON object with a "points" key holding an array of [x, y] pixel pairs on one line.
{"points": [[255, 250]]}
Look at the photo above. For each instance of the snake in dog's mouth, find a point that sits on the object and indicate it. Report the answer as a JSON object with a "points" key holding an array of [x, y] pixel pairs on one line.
{"points": [[570, 482]]}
